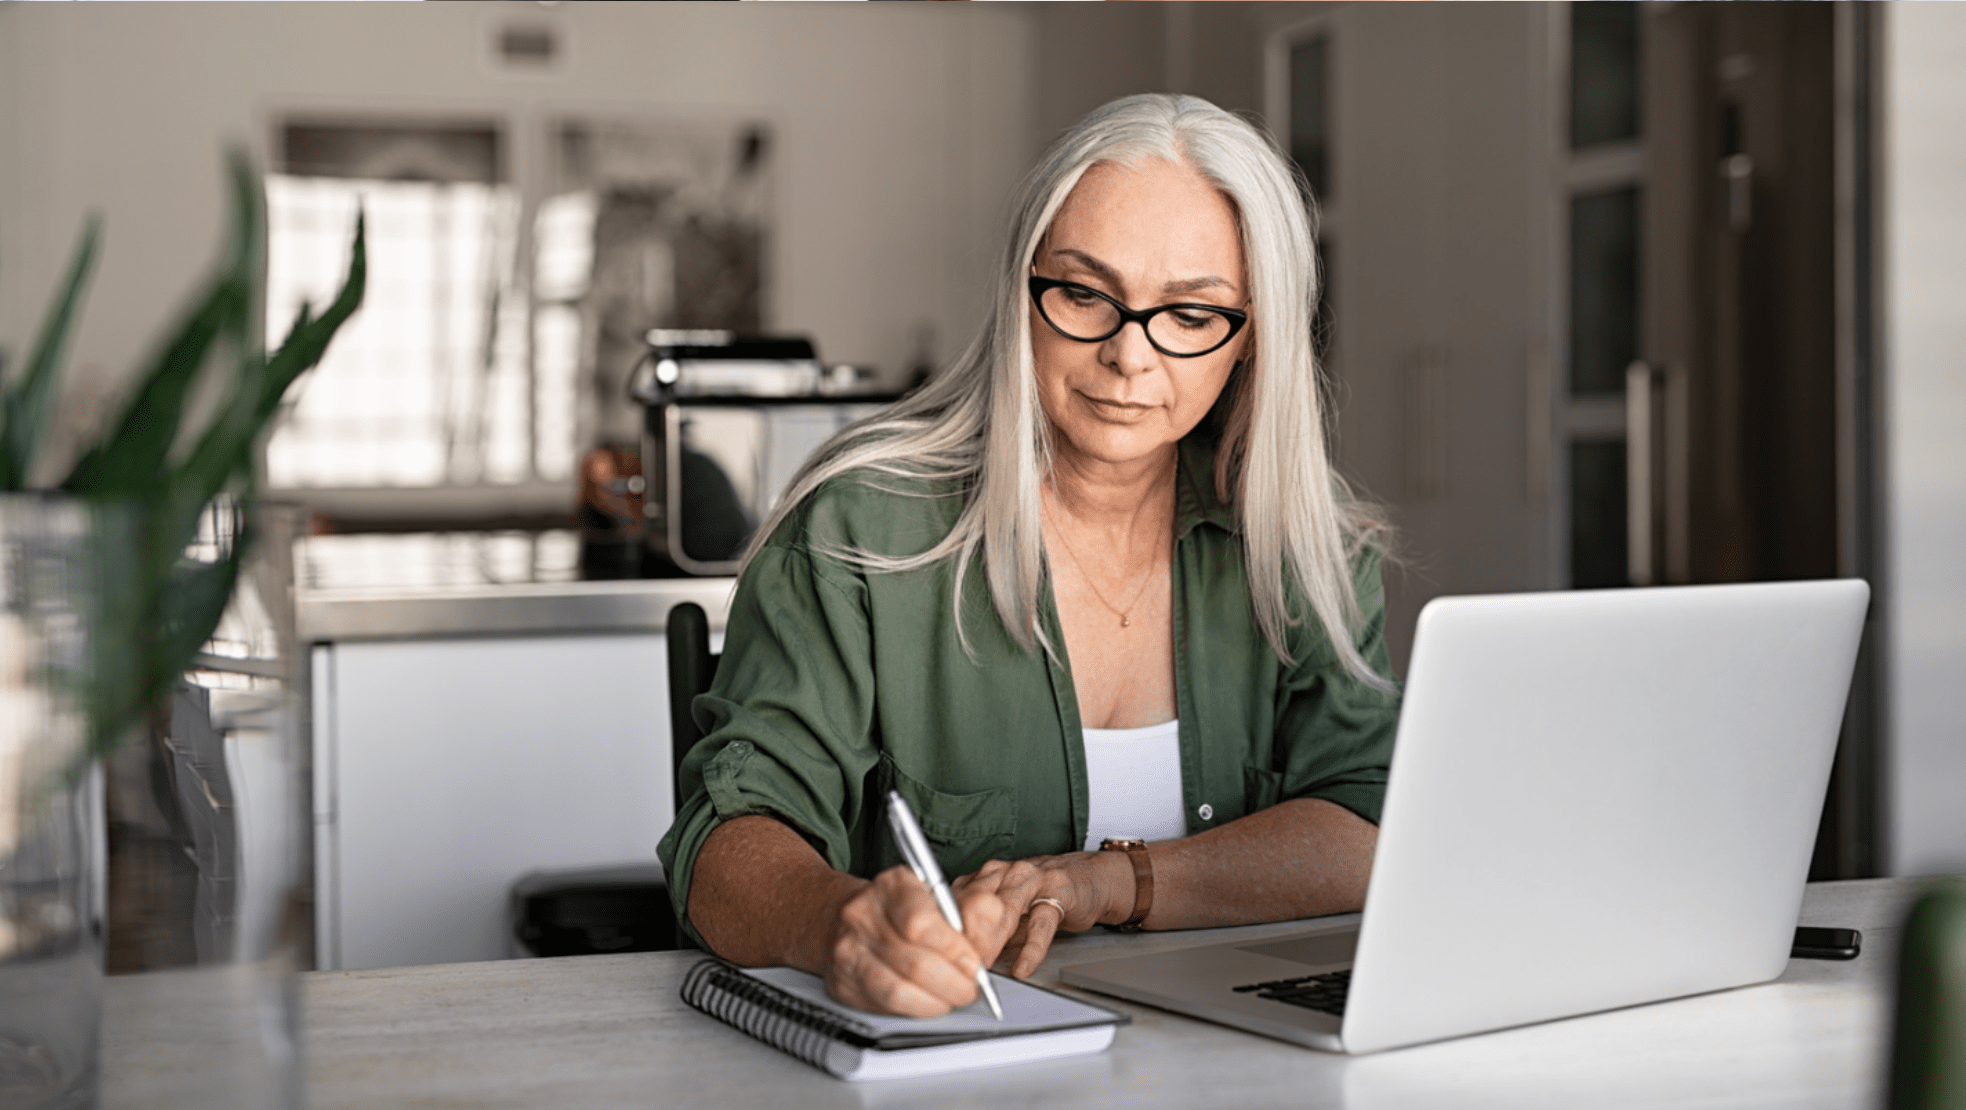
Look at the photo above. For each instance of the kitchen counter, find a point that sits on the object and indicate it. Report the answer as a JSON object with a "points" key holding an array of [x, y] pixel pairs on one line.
{"points": [[516, 609], [477, 713], [442, 585]]}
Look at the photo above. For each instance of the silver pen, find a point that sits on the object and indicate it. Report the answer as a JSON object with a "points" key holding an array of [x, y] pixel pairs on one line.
{"points": [[914, 848]]}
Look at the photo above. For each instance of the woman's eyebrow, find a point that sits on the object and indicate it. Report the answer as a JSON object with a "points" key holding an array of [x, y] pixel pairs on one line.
{"points": [[1098, 268], [1107, 273], [1192, 285]]}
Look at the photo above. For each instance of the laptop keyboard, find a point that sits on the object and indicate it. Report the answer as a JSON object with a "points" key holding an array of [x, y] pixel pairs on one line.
{"points": [[1324, 992]]}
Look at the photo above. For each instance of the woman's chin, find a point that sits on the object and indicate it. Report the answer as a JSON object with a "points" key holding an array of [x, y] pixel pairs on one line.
{"points": [[1107, 444]]}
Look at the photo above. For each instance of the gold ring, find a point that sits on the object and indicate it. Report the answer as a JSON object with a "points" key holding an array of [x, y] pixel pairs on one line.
{"points": [[1052, 902]]}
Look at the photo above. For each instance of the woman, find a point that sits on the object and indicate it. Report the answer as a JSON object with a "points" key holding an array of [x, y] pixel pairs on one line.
{"points": [[1096, 581]]}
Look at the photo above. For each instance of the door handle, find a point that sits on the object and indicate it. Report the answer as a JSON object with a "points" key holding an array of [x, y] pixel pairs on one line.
{"points": [[1738, 171], [1644, 485]]}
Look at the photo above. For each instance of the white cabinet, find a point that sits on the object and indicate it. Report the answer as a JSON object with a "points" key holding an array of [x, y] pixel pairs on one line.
{"points": [[446, 768]]}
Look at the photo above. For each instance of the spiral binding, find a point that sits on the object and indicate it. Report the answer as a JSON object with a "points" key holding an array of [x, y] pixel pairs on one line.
{"points": [[786, 1023]]}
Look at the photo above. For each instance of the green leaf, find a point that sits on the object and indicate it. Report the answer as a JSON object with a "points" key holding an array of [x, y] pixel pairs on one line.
{"points": [[155, 608], [308, 340], [225, 451], [246, 255], [165, 613], [228, 446], [131, 461], [25, 404], [191, 609], [301, 319]]}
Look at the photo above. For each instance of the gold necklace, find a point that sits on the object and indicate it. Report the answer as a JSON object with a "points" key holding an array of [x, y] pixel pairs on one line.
{"points": [[1125, 620]]}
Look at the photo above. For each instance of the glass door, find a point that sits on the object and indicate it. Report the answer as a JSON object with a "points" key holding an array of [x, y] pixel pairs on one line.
{"points": [[1603, 183], [1708, 415]]}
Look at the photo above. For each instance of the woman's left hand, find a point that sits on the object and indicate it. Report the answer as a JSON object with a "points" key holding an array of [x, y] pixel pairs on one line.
{"points": [[1072, 893]]}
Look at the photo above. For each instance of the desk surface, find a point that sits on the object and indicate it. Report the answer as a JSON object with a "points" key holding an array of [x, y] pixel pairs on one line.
{"points": [[609, 1031]]}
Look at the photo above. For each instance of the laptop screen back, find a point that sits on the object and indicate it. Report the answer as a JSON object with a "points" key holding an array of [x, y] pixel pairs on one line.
{"points": [[1599, 799]]}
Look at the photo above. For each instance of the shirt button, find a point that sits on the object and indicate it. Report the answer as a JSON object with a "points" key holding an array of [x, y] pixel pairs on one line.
{"points": [[1206, 812], [740, 747]]}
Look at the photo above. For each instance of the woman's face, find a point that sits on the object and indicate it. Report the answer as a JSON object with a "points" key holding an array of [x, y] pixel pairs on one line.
{"points": [[1148, 235]]}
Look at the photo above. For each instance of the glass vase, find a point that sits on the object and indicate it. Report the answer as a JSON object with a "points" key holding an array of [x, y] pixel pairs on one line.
{"points": [[51, 816], [209, 887], [154, 900]]}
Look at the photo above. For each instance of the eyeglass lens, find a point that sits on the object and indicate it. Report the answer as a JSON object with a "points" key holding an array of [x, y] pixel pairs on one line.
{"points": [[1089, 318]]}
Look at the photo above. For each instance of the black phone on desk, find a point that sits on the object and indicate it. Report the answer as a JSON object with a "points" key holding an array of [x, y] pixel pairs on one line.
{"points": [[1813, 942]]}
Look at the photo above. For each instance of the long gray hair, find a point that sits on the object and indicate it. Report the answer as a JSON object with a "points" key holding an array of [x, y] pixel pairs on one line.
{"points": [[979, 421]]}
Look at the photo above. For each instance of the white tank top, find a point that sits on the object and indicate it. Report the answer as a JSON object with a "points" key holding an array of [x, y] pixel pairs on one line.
{"points": [[1133, 777]]}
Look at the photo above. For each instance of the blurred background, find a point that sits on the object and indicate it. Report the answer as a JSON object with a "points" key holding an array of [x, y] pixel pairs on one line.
{"points": [[1616, 294]]}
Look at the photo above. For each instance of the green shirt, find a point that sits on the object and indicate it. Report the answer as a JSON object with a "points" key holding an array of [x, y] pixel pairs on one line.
{"points": [[838, 683]]}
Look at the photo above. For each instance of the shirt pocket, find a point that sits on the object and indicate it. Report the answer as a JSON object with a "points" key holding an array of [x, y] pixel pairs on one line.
{"points": [[1261, 788], [964, 830]]}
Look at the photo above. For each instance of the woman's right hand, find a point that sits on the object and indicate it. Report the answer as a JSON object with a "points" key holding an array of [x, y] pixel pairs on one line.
{"points": [[892, 952], [763, 897]]}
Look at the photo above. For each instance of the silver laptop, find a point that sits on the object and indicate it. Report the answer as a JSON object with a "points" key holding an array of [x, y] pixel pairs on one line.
{"points": [[1576, 775]]}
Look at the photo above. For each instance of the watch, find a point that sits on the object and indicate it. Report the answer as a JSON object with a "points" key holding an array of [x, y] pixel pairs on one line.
{"points": [[1143, 879]]}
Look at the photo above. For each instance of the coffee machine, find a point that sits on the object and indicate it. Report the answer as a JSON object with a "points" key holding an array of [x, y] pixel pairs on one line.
{"points": [[728, 420]]}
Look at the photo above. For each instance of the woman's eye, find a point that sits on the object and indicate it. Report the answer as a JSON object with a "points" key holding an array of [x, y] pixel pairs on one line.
{"points": [[1080, 296], [1194, 321]]}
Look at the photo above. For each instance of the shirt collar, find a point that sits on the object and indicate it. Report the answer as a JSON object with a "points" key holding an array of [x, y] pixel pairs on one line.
{"points": [[1195, 501]]}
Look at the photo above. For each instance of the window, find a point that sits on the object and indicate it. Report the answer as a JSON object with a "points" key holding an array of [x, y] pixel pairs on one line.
{"points": [[1604, 105], [1603, 288], [426, 385], [1602, 185], [1300, 111], [1310, 112]]}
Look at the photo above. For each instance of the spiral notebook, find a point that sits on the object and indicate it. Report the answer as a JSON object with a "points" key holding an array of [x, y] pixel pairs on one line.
{"points": [[791, 1011]]}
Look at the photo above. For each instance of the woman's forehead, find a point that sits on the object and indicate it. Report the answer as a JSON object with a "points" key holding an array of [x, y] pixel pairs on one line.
{"points": [[1159, 221]]}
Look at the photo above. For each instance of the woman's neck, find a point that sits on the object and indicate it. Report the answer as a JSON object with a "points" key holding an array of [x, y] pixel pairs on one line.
{"points": [[1119, 502]]}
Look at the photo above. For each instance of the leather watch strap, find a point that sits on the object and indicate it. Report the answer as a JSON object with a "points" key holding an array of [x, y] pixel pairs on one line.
{"points": [[1143, 879]]}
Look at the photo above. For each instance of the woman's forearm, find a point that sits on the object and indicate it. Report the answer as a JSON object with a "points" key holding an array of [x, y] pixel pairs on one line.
{"points": [[1302, 858], [761, 896]]}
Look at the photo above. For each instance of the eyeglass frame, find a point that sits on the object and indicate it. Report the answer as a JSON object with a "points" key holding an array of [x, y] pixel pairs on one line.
{"points": [[1039, 286]]}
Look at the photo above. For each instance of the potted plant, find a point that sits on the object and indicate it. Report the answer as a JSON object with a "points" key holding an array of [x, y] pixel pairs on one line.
{"points": [[110, 585]]}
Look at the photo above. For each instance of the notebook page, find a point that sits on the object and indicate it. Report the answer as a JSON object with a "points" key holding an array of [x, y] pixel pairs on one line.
{"points": [[1025, 1008]]}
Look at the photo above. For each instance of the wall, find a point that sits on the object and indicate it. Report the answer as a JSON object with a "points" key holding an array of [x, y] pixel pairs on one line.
{"points": [[900, 129], [1087, 55], [1924, 339], [12, 303]]}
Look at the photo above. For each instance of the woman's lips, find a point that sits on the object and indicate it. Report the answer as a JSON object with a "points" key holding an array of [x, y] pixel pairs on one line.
{"points": [[1125, 412]]}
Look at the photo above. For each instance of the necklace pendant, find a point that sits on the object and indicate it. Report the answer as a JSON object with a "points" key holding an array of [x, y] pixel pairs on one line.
{"points": [[1126, 621]]}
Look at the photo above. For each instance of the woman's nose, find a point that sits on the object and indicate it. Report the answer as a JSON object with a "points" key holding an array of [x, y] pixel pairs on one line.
{"points": [[1128, 350]]}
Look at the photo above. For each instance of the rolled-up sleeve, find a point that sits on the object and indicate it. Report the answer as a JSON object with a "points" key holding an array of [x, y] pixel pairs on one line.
{"points": [[1337, 730], [787, 721]]}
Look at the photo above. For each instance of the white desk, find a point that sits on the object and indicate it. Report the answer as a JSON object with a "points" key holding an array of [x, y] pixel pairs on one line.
{"points": [[609, 1031]]}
